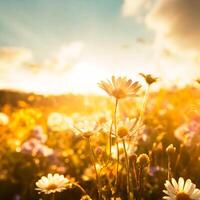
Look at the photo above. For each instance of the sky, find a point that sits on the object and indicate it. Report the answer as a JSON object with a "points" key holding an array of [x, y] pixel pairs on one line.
{"points": [[53, 47]]}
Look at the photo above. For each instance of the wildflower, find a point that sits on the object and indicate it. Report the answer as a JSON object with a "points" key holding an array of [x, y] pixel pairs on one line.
{"points": [[198, 80], [38, 133], [182, 133], [133, 156], [35, 147], [45, 151], [149, 78], [125, 128], [52, 183], [188, 133], [181, 190], [86, 128], [143, 160], [170, 149], [86, 197], [120, 87]]}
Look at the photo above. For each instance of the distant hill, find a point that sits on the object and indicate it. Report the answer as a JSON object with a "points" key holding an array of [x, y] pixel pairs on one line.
{"points": [[63, 103]]}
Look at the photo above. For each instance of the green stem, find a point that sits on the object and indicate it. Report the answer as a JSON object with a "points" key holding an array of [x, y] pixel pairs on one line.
{"points": [[127, 170], [115, 125], [110, 141], [141, 182], [95, 169], [146, 96], [135, 178], [169, 173], [80, 187], [53, 196]]}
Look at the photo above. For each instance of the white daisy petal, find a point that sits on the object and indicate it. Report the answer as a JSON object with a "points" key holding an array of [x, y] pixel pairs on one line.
{"points": [[180, 183], [196, 194], [170, 188], [167, 198], [52, 183], [174, 183], [181, 190], [187, 186], [191, 189]]}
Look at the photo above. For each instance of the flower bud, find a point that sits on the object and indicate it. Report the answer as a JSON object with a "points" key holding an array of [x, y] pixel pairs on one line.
{"points": [[133, 157], [143, 160], [86, 197], [170, 149]]}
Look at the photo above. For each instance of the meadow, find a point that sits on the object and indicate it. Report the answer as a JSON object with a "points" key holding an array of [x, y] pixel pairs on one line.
{"points": [[132, 143]]}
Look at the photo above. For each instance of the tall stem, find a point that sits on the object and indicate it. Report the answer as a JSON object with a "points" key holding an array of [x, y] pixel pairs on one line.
{"points": [[146, 96], [115, 125], [141, 182], [135, 178], [110, 141], [80, 187], [53, 196], [95, 168], [127, 170], [169, 171]]}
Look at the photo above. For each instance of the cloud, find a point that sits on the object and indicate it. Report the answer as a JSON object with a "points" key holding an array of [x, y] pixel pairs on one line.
{"points": [[19, 70], [14, 55], [65, 58], [133, 7], [176, 42], [176, 25], [143, 41], [174, 22]]}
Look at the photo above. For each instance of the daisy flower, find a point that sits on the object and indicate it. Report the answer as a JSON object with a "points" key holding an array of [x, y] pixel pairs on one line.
{"points": [[149, 78], [52, 183], [86, 128], [120, 87], [126, 127], [198, 80], [181, 190]]}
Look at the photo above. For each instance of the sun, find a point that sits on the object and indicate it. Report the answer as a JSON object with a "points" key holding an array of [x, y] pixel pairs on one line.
{"points": [[85, 76]]}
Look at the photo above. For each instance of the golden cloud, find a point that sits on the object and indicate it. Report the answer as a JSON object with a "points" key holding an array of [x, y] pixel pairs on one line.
{"points": [[176, 24], [14, 54]]}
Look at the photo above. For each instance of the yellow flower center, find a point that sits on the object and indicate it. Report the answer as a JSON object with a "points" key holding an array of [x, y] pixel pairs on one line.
{"points": [[122, 132], [87, 134], [150, 80], [102, 120], [51, 187], [119, 93], [182, 196]]}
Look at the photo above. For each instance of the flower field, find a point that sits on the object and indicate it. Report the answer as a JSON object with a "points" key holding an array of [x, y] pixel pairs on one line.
{"points": [[132, 143]]}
